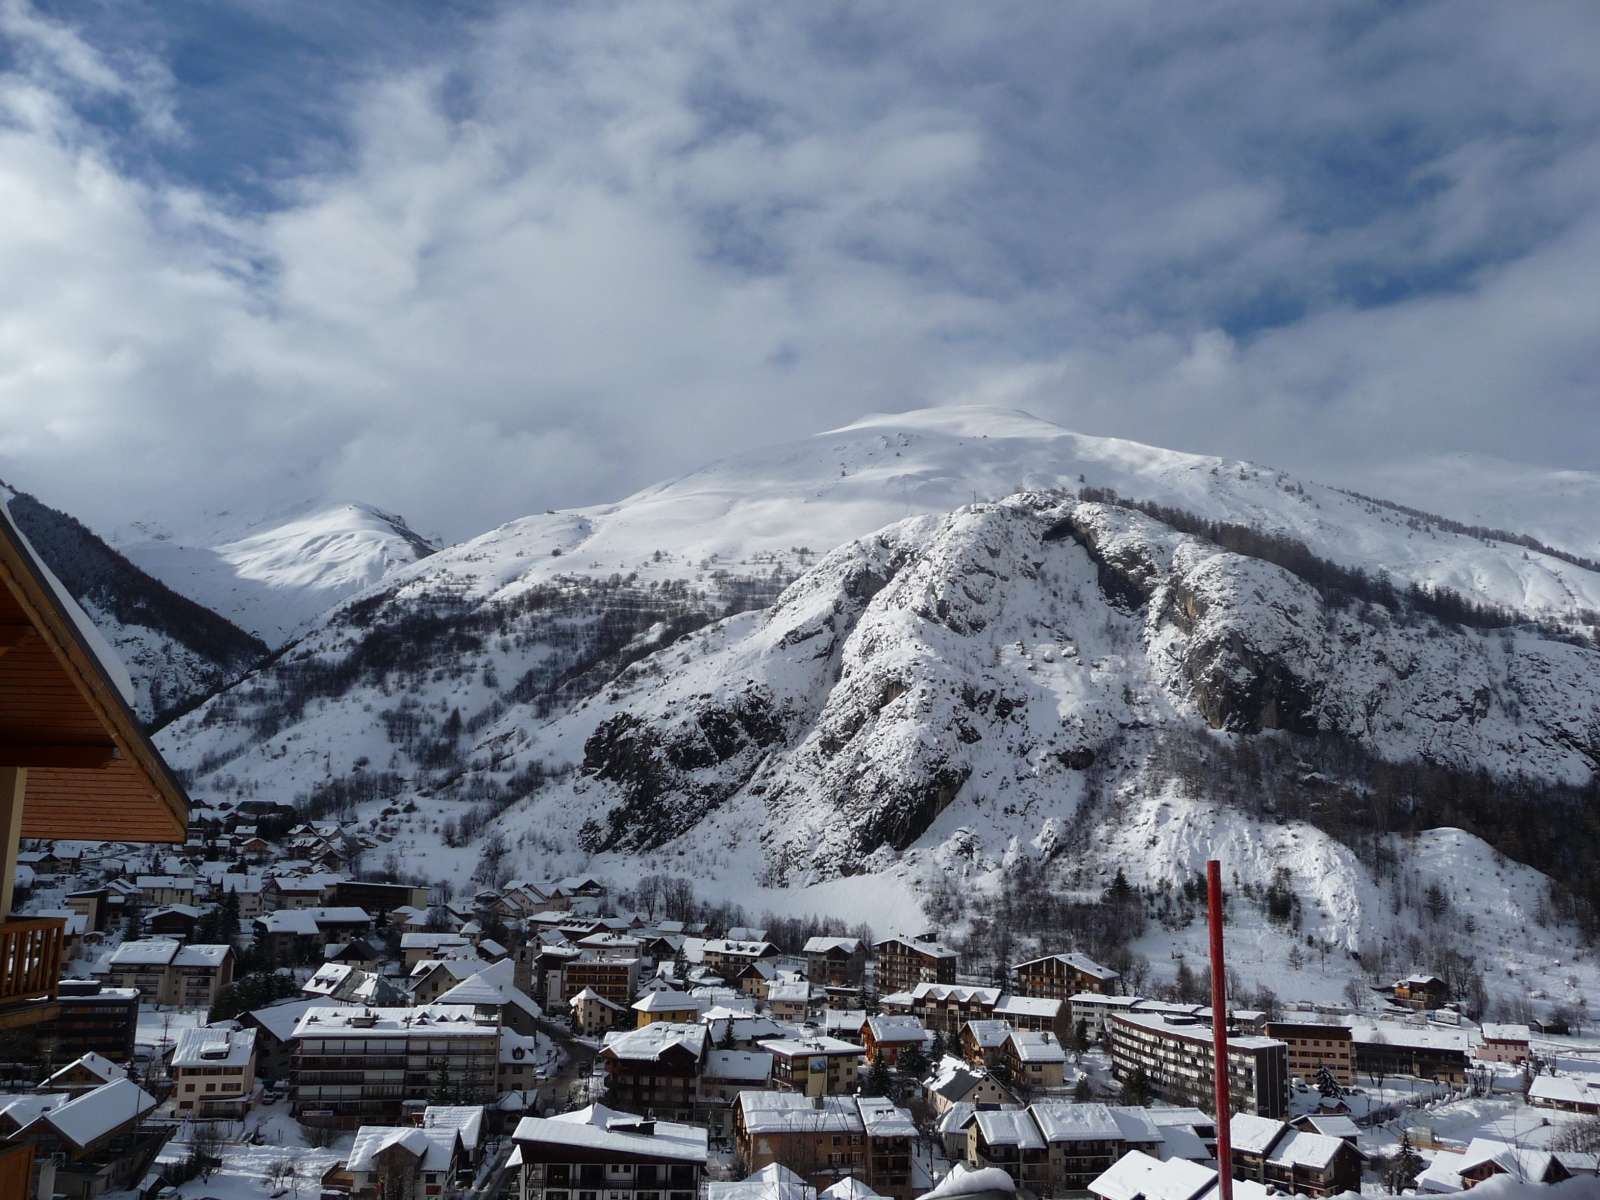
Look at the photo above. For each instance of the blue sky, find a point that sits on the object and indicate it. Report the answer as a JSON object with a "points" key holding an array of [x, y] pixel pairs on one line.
{"points": [[473, 260]]}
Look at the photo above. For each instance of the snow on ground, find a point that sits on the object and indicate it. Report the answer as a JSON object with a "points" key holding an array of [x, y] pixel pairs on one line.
{"points": [[247, 1168]]}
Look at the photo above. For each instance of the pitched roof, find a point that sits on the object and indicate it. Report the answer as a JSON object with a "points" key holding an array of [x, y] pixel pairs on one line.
{"points": [[97, 1065], [434, 1147], [600, 1128], [465, 1119], [653, 1040], [207, 1047], [1137, 1174], [66, 708], [1255, 1135], [790, 1112], [95, 1114]]}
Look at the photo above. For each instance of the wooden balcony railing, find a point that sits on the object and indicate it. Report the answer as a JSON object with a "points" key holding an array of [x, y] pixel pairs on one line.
{"points": [[30, 966]]}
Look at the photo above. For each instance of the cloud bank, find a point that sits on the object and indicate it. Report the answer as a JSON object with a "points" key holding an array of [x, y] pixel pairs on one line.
{"points": [[539, 255]]}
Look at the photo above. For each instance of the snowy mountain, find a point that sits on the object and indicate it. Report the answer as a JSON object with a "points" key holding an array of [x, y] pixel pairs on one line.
{"points": [[967, 645], [174, 649], [273, 575]]}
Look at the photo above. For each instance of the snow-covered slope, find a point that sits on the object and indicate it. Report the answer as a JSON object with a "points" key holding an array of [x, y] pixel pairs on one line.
{"points": [[173, 649], [768, 674], [274, 575]]}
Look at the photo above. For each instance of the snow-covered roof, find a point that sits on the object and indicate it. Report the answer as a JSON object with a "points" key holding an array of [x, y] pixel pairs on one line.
{"points": [[883, 1118], [194, 955], [182, 910], [1442, 1176], [1027, 1006], [1036, 1046], [327, 979], [1521, 1161], [1333, 1124], [21, 1111], [821, 945], [1314, 1151], [465, 1119], [989, 1034], [1099, 1000], [95, 1114], [148, 952], [926, 949], [971, 1181], [1136, 1125], [214, 1047], [773, 1182], [430, 1020], [174, 882], [1192, 1033], [97, 1065], [1505, 1033], [1180, 1141], [955, 991], [1137, 1174], [1081, 963], [1412, 1037], [589, 995], [653, 1040], [1075, 1122], [430, 941], [280, 1019], [434, 1147], [1563, 1089], [788, 993], [800, 1047], [790, 1112], [600, 1128], [896, 1029], [1255, 1135], [493, 987], [668, 1000], [848, 1188], [741, 1065], [1008, 1127]]}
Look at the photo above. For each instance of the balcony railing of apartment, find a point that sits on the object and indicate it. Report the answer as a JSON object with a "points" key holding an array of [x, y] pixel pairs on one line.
{"points": [[30, 966]]}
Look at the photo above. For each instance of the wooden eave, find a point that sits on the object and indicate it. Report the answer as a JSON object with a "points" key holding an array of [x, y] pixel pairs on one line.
{"points": [[92, 774]]}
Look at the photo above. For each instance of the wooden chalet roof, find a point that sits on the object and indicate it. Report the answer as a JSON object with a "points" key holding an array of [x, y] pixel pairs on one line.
{"points": [[92, 774]]}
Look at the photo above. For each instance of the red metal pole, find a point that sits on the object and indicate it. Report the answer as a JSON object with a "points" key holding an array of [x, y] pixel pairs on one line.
{"points": [[1219, 1031]]}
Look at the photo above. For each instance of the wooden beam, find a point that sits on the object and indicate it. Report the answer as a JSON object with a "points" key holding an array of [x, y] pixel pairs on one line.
{"points": [[83, 757], [13, 783], [14, 633]]}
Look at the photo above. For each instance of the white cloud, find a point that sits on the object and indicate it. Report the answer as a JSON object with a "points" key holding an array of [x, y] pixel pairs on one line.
{"points": [[593, 245]]}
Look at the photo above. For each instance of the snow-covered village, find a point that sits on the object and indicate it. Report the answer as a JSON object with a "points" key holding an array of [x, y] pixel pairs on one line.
{"points": [[716, 600]]}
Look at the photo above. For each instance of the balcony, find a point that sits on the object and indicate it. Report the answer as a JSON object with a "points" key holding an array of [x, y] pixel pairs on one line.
{"points": [[30, 965]]}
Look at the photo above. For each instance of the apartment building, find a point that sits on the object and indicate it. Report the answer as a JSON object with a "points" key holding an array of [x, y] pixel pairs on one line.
{"points": [[580, 1155], [826, 1139], [214, 1071], [1394, 1048], [94, 1019], [613, 979], [1061, 976], [946, 1007], [904, 962], [836, 961], [158, 891], [820, 1066], [1292, 1160], [1312, 1047], [168, 972], [655, 1070], [1176, 1057], [357, 1066]]}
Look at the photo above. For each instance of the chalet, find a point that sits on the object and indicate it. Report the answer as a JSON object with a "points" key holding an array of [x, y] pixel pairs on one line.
{"points": [[904, 962], [95, 1141], [274, 1029], [1486, 1157], [597, 1145], [416, 947], [1421, 992], [1329, 1125], [983, 1042], [299, 891], [83, 1074], [726, 956], [432, 978], [1082, 1141], [954, 1083], [247, 888], [1009, 1139], [74, 763], [836, 961], [655, 1069], [725, 1074], [1292, 1160], [789, 1000], [1140, 1176], [491, 993], [820, 1140], [1062, 976], [174, 921], [301, 934], [668, 1005], [404, 1161], [1035, 1060], [754, 978], [885, 1038]]}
